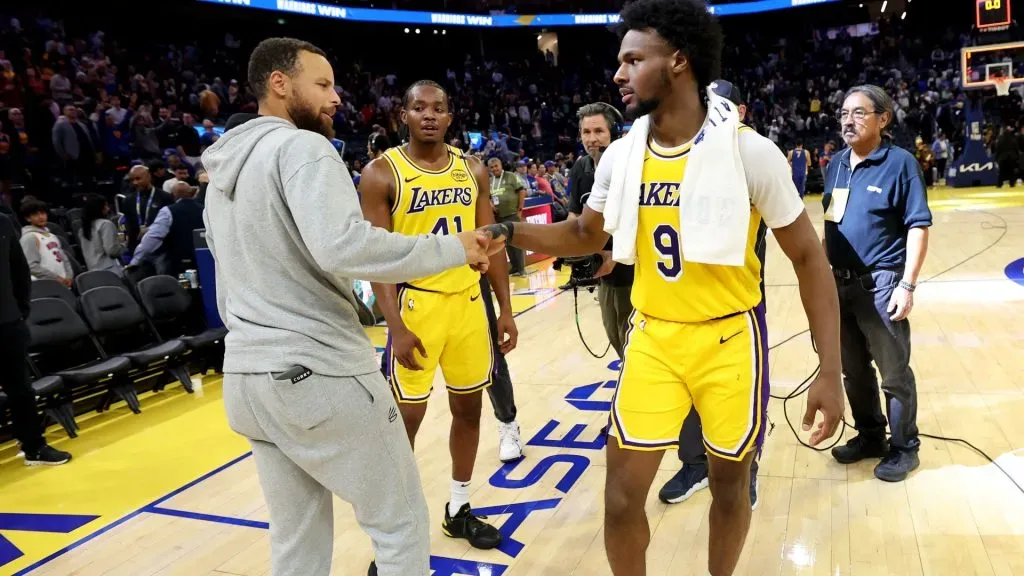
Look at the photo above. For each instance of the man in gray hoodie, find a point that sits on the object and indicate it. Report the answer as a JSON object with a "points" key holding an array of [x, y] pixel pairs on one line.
{"points": [[301, 382]]}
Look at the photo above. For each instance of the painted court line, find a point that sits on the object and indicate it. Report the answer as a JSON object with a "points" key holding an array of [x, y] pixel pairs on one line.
{"points": [[154, 507], [208, 517], [131, 515]]}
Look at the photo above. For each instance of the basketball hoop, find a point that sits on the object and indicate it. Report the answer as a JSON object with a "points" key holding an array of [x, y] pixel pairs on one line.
{"points": [[1002, 86]]}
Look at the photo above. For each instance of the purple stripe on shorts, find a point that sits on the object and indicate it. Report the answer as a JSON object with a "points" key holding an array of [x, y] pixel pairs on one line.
{"points": [[762, 326]]}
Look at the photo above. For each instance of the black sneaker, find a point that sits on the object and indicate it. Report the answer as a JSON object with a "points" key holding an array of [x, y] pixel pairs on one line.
{"points": [[46, 456], [859, 448], [687, 482], [896, 465], [373, 569], [465, 525]]}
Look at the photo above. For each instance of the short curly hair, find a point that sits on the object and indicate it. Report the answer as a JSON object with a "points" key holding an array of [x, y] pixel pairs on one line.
{"points": [[407, 98], [281, 54], [686, 25]]}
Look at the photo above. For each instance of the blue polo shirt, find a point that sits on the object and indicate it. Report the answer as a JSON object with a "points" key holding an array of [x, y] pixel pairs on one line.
{"points": [[887, 198]]}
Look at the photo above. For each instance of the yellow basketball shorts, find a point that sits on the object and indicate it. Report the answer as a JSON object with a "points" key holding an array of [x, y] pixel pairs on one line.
{"points": [[456, 334], [719, 366]]}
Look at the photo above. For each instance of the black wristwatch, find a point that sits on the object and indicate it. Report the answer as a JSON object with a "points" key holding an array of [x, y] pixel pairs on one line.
{"points": [[907, 286]]}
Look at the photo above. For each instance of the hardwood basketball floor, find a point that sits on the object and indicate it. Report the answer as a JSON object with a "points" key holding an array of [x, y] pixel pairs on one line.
{"points": [[956, 515]]}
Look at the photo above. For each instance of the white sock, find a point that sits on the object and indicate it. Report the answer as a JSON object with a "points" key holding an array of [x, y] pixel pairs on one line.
{"points": [[460, 496]]}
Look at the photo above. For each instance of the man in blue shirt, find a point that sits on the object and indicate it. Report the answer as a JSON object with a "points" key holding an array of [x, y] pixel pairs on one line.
{"points": [[876, 237]]}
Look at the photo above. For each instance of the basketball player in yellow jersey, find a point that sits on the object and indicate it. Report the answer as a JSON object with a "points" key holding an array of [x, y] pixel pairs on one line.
{"points": [[697, 337], [427, 187]]}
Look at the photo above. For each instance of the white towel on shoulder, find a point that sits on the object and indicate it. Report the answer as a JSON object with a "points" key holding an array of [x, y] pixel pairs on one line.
{"points": [[714, 206]]}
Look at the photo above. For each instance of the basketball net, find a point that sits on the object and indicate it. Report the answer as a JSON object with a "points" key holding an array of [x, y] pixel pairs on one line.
{"points": [[1002, 86]]}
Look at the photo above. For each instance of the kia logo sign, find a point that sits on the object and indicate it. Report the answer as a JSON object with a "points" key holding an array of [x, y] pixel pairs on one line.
{"points": [[976, 167]]}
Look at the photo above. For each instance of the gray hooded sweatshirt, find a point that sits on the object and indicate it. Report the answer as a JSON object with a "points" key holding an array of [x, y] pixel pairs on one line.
{"points": [[288, 236]]}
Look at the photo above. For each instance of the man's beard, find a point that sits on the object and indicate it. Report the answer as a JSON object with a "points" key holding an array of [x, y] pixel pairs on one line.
{"points": [[642, 108], [306, 118]]}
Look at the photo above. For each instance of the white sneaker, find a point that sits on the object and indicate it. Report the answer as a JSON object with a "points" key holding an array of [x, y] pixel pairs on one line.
{"points": [[510, 446]]}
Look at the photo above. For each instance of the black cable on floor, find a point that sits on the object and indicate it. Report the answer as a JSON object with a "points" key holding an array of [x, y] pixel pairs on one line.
{"points": [[804, 386], [576, 310]]}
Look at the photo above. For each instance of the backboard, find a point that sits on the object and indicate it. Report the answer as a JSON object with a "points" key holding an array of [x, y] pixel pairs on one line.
{"points": [[981, 65]]}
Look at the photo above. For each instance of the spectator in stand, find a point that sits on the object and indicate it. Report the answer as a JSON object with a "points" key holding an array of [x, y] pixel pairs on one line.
{"points": [[115, 141], [15, 295], [168, 244], [43, 249], [181, 175], [543, 186], [98, 237], [209, 135], [145, 142], [141, 206], [74, 147], [188, 144]]}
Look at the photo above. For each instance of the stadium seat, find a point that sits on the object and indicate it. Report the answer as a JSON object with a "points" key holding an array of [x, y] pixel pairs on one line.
{"points": [[119, 322], [96, 278], [55, 327], [166, 302], [47, 288], [56, 402]]}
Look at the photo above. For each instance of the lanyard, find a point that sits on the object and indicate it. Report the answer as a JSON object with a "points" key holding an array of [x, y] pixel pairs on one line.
{"points": [[138, 206], [849, 179], [501, 183]]}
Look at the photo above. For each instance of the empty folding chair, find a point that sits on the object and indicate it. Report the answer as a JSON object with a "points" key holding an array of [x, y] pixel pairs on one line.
{"points": [[96, 278], [55, 401], [120, 325], [47, 288], [167, 303], [57, 333]]}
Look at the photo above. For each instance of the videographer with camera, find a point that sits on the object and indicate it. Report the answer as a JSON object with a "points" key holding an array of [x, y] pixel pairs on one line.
{"points": [[599, 126]]}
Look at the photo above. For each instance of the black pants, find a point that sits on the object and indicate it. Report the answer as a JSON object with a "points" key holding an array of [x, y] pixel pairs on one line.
{"points": [[868, 334], [516, 257], [500, 391], [21, 400], [616, 308], [1007, 172]]}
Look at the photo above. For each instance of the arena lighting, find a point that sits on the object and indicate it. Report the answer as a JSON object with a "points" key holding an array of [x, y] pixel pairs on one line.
{"points": [[884, 4], [335, 12], [904, 15]]}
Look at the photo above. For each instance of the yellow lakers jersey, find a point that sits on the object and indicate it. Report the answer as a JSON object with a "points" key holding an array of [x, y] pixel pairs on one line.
{"points": [[435, 202], [665, 286]]}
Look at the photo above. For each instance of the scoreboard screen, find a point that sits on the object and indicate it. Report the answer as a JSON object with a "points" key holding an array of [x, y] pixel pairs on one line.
{"points": [[993, 14]]}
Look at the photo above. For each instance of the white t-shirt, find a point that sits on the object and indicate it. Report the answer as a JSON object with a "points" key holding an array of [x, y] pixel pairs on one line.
{"points": [[769, 179]]}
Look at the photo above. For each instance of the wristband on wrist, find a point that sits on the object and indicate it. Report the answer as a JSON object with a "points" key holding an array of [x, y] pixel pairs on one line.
{"points": [[907, 286]]}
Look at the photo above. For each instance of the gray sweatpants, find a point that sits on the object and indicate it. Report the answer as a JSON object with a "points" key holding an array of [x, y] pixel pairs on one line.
{"points": [[327, 435]]}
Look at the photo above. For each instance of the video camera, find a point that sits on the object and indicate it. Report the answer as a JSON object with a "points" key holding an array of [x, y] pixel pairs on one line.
{"points": [[581, 270]]}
